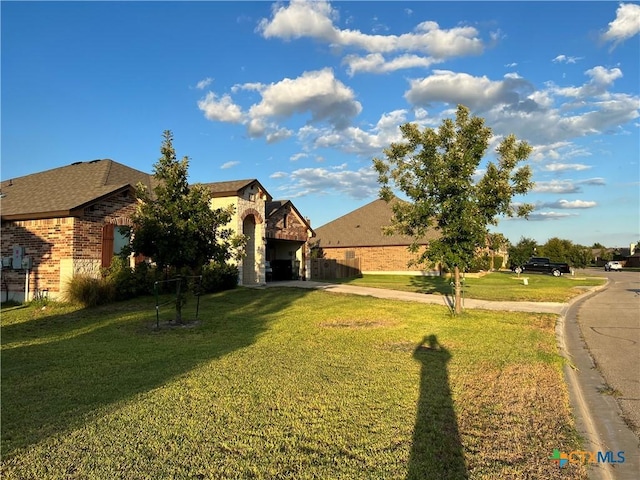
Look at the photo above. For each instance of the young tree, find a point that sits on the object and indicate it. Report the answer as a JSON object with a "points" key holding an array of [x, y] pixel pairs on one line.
{"points": [[522, 251], [176, 225], [435, 169]]}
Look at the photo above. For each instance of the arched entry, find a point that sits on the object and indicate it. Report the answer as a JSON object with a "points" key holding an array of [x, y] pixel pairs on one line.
{"points": [[249, 271]]}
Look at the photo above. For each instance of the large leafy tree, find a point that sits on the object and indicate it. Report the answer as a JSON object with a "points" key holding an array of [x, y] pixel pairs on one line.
{"points": [[436, 169], [175, 225]]}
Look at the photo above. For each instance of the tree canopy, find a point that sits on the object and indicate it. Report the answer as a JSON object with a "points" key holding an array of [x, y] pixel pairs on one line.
{"points": [[176, 225], [437, 169]]}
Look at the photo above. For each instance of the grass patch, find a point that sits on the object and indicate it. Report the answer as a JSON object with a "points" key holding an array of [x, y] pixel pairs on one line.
{"points": [[495, 286], [283, 383]]}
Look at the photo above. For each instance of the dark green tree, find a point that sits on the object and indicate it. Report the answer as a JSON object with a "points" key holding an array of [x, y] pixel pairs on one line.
{"points": [[563, 250], [435, 169], [522, 251], [175, 224]]}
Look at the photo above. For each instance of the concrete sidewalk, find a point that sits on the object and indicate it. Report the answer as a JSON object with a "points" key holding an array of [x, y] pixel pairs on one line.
{"points": [[536, 307]]}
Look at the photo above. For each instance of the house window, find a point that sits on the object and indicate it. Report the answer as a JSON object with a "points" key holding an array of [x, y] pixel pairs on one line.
{"points": [[349, 254], [284, 220], [114, 240]]}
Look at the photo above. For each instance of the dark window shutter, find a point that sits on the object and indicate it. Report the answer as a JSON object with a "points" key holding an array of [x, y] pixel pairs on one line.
{"points": [[107, 244]]}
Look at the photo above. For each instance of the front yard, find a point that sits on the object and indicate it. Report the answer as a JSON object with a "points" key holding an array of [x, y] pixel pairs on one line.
{"points": [[495, 286], [283, 383]]}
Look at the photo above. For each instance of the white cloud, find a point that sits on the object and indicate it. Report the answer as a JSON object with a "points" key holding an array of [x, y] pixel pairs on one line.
{"points": [[356, 184], [279, 135], [202, 84], [221, 110], [231, 164], [563, 167], [626, 24], [376, 63], [478, 93], [556, 186], [566, 186], [279, 175], [566, 59], [317, 92], [355, 140], [569, 204], [542, 216], [315, 19], [297, 156]]}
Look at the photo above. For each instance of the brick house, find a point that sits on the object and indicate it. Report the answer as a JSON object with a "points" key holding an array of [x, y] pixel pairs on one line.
{"points": [[276, 231], [359, 234], [70, 220]]}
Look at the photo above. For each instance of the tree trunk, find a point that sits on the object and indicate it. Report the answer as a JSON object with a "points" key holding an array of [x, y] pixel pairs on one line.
{"points": [[458, 296]]}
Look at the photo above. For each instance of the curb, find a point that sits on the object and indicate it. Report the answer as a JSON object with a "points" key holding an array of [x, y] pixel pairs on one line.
{"points": [[598, 417]]}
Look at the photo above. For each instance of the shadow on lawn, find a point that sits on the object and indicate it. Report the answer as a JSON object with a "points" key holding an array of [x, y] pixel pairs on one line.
{"points": [[436, 450], [428, 284], [60, 370]]}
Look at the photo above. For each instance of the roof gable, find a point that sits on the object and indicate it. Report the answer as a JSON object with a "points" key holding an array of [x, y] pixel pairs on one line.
{"points": [[362, 227], [234, 188], [61, 190], [274, 206]]}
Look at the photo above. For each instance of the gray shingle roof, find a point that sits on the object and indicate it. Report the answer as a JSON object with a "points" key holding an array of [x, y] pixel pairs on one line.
{"points": [[61, 190], [361, 228]]}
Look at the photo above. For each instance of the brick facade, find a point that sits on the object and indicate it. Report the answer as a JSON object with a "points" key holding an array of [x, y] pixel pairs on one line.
{"points": [[376, 259], [60, 247], [285, 225]]}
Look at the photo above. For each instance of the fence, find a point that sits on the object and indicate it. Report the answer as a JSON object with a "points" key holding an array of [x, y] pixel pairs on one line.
{"points": [[329, 269]]}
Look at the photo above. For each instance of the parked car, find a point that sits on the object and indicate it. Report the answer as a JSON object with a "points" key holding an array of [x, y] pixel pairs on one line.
{"points": [[612, 266], [543, 265]]}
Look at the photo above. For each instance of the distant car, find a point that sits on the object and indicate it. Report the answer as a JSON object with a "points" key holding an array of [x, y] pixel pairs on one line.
{"points": [[612, 266]]}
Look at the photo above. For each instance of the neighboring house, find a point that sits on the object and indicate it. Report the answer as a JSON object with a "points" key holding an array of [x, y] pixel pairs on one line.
{"points": [[73, 219], [359, 234]]}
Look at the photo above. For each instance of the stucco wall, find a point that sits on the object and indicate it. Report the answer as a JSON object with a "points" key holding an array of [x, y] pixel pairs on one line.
{"points": [[252, 201]]}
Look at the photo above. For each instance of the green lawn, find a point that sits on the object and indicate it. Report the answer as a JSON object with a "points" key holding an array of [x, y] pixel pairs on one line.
{"points": [[282, 383], [496, 286]]}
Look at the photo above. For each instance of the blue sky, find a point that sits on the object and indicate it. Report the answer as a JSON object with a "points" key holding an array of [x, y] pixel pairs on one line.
{"points": [[303, 95]]}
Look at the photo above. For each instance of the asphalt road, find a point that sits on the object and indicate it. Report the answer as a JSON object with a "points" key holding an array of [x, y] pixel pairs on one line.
{"points": [[602, 336], [610, 325]]}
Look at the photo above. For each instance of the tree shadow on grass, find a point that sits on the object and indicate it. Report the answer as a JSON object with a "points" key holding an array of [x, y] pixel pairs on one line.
{"points": [[429, 284], [60, 370], [436, 451]]}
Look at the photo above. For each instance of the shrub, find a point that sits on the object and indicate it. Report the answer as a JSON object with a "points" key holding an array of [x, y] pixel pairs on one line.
{"points": [[498, 260], [481, 262], [145, 276], [121, 276], [89, 291], [217, 277]]}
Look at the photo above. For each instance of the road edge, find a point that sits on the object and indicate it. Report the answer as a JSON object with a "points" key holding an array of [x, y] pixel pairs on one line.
{"points": [[597, 416]]}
